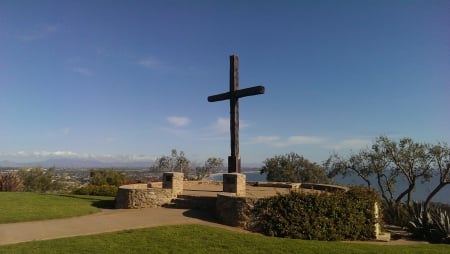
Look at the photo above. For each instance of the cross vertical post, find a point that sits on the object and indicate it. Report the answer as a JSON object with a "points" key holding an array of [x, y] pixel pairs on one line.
{"points": [[234, 160]]}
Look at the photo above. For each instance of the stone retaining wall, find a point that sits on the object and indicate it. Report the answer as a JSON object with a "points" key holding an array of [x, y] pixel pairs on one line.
{"points": [[234, 210], [141, 196]]}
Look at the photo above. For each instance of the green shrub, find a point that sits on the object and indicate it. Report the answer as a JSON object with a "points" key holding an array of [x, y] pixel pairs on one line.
{"points": [[106, 177], [39, 179], [337, 216], [97, 190], [430, 223], [396, 214]]}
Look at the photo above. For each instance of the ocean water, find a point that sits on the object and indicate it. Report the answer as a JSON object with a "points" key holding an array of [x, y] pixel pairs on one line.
{"points": [[420, 193], [253, 176]]}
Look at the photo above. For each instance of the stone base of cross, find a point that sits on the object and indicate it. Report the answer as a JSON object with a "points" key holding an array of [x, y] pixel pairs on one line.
{"points": [[234, 183]]}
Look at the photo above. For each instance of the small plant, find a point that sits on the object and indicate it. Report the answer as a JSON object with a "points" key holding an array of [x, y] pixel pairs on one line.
{"points": [[431, 224], [442, 221]]}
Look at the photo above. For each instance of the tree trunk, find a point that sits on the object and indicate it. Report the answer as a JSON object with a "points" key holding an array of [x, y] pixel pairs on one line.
{"points": [[434, 192], [382, 190], [404, 193]]}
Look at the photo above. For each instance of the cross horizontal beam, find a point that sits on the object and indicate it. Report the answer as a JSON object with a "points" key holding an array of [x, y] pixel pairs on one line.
{"points": [[237, 94]]}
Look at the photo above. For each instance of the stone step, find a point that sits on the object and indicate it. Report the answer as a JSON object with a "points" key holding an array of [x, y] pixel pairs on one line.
{"points": [[193, 202]]}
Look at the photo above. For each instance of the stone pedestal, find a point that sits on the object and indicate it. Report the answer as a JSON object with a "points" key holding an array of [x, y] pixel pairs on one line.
{"points": [[174, 181], [234, 183]]}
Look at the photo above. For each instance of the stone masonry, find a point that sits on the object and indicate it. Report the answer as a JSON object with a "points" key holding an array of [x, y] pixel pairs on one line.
{"points": [[140, 196], [174, 182], [234, 183]]}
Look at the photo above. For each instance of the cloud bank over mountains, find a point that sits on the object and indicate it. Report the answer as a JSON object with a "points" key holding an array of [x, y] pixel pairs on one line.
{"points": [[72, 159]]}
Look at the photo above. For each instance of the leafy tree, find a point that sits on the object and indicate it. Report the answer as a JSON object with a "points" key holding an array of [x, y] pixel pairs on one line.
{"points": [[212, 165], [440, 160], [412, 162], [294, 168], [38, 179], [102, 177], [174, 162], [366, 164], [389, 162]]}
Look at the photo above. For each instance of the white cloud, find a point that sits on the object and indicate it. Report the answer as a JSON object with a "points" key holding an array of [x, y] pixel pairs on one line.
{"points": [[353, 144], [264, 139], [39, 32], [61, 132], [178, 121], [83, 71], [289, 141], [177, 132], [150, 63], [304, 140], [66, 131], [222, 125], [42, 155]]}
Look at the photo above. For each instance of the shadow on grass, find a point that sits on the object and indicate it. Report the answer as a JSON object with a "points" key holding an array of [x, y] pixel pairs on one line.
{"points": [[96, 202]]}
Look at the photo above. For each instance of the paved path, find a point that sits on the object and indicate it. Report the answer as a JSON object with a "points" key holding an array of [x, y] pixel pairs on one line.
{"points": [[105, 221]]}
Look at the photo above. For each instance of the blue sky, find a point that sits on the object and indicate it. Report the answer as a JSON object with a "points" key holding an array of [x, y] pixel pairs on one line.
{"points": [[129, 80]]}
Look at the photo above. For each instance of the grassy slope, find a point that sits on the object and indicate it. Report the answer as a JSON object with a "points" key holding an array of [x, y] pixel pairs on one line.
{"points": [[27, 206], [203, 239]]}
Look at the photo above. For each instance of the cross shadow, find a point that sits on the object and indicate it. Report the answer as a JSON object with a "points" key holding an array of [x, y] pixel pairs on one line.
{"points": [[201, 214], [105, 204]]}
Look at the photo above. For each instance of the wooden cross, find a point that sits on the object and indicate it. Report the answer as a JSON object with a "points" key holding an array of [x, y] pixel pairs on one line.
{"points": [[234, 160]]}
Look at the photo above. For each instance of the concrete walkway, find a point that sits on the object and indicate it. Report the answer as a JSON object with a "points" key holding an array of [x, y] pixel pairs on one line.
{"points": [[105, 221]]}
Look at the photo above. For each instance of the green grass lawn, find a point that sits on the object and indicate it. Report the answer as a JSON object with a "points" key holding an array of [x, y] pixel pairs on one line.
{"points": [[28, 206], [203, 239]]}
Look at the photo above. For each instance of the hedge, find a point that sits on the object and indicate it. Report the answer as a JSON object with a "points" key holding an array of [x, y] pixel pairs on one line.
{"points": [[97, 190], [337, 216]]}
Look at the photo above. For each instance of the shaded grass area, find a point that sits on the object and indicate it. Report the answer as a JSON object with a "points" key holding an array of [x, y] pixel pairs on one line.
{"points": [[28, 206], [203, 239]]}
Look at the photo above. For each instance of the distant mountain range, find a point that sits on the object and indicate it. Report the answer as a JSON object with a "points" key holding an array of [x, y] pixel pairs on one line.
{"points": [[78, 163]]}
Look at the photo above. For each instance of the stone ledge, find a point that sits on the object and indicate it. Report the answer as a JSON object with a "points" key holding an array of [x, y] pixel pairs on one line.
{"points": [[136, 196], [324, 187], [278, 185], [295, 186], [137, 186]]}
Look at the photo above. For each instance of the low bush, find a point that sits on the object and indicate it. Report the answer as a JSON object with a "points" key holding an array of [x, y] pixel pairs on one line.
{"points": [[39, 180], [337, 216], [97, 190], [10, 181], [101, 177], [396, 214]]}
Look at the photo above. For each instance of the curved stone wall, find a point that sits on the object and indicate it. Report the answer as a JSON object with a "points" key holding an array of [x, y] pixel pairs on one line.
{"points": [[141, 196], [234, 210]]}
